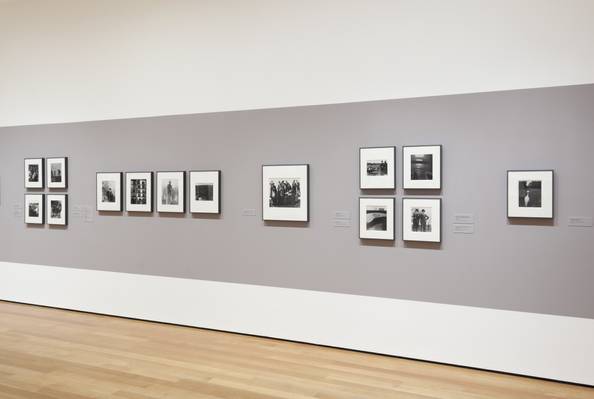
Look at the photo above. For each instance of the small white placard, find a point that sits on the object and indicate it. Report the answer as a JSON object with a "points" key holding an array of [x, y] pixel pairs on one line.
{"points": [[464, 218], [342, 215], [463, 228], [342, 223], [580, 221], [248, 212], [87, 213], [76, 212], [18, 210]]}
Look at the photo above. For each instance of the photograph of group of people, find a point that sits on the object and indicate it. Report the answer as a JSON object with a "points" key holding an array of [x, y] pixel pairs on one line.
{"points": [[285, 192]]}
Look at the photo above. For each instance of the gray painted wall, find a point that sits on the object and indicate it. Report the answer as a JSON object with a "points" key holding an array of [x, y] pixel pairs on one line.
{"points": [[525, 266]]}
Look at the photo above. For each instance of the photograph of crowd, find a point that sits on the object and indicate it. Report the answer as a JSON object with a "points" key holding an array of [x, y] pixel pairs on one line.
{"points": [[377, 168], [421, 219], [138, 194], [421, 166], [170, 192], [55, 172], [377, 218], [33, 173], [108, 191], [530, 194], [56, 209], [204, 191], [285, 192]]}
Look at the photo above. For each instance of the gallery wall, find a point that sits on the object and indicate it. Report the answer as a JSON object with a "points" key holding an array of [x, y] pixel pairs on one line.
{"points": [[522, 265]]}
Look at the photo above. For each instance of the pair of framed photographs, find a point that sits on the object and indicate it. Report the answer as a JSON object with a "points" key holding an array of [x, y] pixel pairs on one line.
{"points": [[421, 167], [169, 189], [55, 205], [57, 173], [421, 219]]}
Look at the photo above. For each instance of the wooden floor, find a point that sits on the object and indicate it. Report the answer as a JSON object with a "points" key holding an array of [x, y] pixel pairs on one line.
{"points": [[50, 353]]}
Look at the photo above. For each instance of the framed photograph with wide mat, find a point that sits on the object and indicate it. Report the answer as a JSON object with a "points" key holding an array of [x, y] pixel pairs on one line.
{"points": [[139, 191], [57, 209], [34, 208], [377, 168], [205, 191], [421, 219], [34, 176], [171, 192], [57, 172], [109, 191], [376, 218], [530, 194], [421, 167], [285, 192]]}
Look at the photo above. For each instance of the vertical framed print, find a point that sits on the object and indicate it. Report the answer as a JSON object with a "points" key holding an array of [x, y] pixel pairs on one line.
{"points": [[376, 218], [57, 209], [421, 167], [57, 172], [139, 191], [421, 219], [109, 191], [34, 208], [285, 192], [530, 194], [205, 191], [171, 196], [34, 173], [377, 168]]}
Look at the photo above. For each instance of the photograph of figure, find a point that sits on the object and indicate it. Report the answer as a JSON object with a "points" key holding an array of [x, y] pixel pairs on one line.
{"points": [[56, 209], [530, 193], [108, 189], [421, 220], [285, 192], [56, 172], [170, 194], [34, 209], [33, 173]]}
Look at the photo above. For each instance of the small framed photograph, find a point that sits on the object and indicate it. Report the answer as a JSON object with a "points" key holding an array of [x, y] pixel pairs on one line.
{"points": [[34, 172], [421, 167], [34, 208], [109, 191], [205, 191], [376, 218], [421, 219], [139, 191], [57, 172], [57, 209], [285, 192], [377, 168], [530, 194], [171, 195]]}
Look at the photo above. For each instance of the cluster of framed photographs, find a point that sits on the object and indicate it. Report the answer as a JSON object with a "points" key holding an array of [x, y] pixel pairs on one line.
{"points": [[40, 208], [139, 191]]}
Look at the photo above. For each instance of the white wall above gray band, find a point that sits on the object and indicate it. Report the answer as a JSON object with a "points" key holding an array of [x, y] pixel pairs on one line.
{"points": [[555, 347], [67, 60]]}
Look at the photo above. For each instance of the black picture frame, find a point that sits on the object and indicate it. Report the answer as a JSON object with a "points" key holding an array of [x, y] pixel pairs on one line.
{"points": [[25, 209], [404, 186], [48, 173], [394, 157], [183, 197], [153, 190], [41, 174], [393, 218], [510, 171], [439, 199], [307, 173], [65, 210], [219, 183], [120, 194]]}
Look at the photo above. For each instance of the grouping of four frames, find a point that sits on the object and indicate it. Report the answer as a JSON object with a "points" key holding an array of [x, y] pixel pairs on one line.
{"points": [[50, 208]]}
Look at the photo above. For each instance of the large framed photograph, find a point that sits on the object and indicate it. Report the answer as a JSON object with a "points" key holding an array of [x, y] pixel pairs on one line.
{"points": [[376, 218], [57, 172], [377, 168], [109, 191], [285, 192], [530, 194], [205, 191], [34, 176], [421, 167], [57, 209], [421, 219], [171, 195], [139, 191], [34, 208]]}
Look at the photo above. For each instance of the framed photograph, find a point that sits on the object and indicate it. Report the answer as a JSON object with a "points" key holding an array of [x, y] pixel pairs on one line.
{"points": [[171, 195], [421, 167], [377, 168], [376, 218], [57, 209], [205, 191], [421, 219], [34, 173], [139, 191], [57, 172], [109, 191], [34, 208], [285, 192], [530, 194]]}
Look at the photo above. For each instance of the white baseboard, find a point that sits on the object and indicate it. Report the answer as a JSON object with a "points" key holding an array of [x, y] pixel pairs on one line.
{"points": [[554, 347]]}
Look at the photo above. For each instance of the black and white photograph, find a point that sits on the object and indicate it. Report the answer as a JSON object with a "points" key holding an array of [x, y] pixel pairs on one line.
{"points": [[171, 192], [377, 168], [285, 192], [421, 219], [34, 208], [376, 218], [57, 209], [205, 191], [109, 191], [57, 172], [139, 191], [421, 167], [530, 194], [34, 176]]}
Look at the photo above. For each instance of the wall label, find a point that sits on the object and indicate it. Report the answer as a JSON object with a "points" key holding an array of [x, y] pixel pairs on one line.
{"points": [[342, 223], [463, 228], [342, 215], [464, 218], [580, 221], [248, 212]]}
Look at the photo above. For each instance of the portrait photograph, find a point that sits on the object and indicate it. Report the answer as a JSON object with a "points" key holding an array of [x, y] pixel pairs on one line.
{"points": [[34, 172], [139, 191], [57, 172], [57, 209], [530, 194], [109, 191], [421, 219], [34, 208], [171, 192], [205, 191], [376, 218], [421, 167], [285, 192], [377, 168]]}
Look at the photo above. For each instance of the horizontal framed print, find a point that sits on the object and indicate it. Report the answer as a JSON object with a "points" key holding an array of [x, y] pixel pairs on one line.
{"points": [[34, 208], [285, 192], [421, 168], [109, 191], [530, 194], [57, 209], [376, 218], [171, 195], [57, 172], [377, 168], [421, 219], [34, 176], [139, 191], [205, 191]]}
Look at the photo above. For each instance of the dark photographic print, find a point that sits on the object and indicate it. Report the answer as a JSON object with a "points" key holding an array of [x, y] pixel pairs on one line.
{"points": [[530, 193], [421, 166], [57, 169], [56, 209], [56, 172], [377, 168], [108, 190], [285, 192], [138, 191], [421, 220], [204, 192], [34, 209], [377, 218], [34, 176], [170, 192], [57, 206], [33, 173], [421, 169]]}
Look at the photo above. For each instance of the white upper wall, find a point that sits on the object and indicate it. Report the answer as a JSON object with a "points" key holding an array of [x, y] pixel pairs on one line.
{"points": [[73, 60]]}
